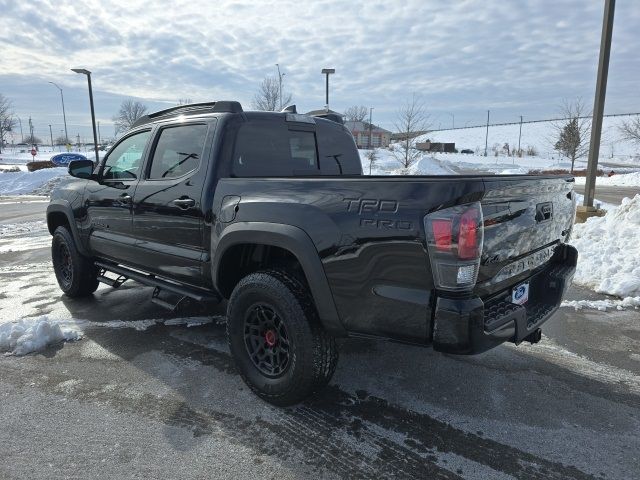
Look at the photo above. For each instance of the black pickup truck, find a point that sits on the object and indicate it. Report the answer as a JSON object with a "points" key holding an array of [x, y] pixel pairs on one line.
{"points": [[270, 212]]}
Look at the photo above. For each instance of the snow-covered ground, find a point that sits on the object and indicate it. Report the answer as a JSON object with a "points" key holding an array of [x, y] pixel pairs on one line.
{"points": [[623, 180], [609, 249], [453, 163], [24, 182]]}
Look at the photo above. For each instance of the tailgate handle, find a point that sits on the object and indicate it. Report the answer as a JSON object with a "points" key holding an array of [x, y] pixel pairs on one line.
{"points": [[544, 212]]}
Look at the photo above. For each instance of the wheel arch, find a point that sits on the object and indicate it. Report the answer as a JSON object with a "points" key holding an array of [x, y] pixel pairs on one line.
{"points": [[287, 238], [59, 213]]}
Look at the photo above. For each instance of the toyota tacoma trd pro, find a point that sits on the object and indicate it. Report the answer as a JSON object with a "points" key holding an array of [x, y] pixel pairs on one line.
{"points": [[270, 212]]}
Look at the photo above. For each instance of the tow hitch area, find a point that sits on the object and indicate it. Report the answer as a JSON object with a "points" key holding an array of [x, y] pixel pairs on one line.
{"points": [[534, 337]]}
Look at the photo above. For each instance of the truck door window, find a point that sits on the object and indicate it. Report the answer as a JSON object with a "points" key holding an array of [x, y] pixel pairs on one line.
{"points": [[123, 162], [178, 151]]}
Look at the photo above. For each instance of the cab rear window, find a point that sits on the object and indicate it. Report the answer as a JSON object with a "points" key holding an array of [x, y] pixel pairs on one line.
{"points": [[274, 149]]}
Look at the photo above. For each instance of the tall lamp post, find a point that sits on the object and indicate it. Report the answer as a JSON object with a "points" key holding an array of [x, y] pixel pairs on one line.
{"points": [[453, 120], [64, 115], [327, 72], [86, 72]]}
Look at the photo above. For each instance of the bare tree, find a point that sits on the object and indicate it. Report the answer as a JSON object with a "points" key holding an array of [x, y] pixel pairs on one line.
{"points": [[32, 140], [356, 113], [372, 159], [268, 96], [630, 130], [7, 120], [572, 133], [61, 140], [130, 111], [184, 101], [412, 120]]}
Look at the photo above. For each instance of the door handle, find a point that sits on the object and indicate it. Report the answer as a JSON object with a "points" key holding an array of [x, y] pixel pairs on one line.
{"points": [[125, 199], [184, 202]]}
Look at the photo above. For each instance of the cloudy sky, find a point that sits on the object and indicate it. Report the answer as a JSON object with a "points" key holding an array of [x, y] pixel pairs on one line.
{"points": [[462, 57]]}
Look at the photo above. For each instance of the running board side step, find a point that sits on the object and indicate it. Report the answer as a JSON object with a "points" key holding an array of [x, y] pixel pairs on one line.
{"points": [[112, 282], [153, 281]]}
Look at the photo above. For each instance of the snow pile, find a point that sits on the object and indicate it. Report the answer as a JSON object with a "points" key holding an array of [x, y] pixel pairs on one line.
{"points": [[29, 335], [18, 183], [621, 180], [609, 250], [387, 163], [603, 305]]}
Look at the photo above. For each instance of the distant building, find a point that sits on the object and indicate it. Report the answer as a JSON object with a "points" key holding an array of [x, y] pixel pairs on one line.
{"points": [[360, 131], [430, 146]]}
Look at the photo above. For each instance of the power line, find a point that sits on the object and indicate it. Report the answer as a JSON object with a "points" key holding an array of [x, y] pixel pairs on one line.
{"points": [[484, 125]]}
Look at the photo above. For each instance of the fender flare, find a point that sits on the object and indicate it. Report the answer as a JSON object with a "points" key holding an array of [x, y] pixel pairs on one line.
{"points": [[296, 241], [63, 206]]}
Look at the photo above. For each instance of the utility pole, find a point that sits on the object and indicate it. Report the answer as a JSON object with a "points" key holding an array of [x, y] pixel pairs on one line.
{"points": [[64, 115], [99, 139], [31, 130], [486, 137], [78, 142], [598, 109], [280, 75], [327, 72], [520, 136], [21, 134], [453, 120], [51, 134], [370, 126]]}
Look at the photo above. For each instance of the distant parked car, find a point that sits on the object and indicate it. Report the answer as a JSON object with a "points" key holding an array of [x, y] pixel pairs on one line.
{"points": [[467, 151]]}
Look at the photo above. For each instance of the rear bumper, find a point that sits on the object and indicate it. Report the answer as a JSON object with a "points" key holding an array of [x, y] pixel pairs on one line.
{"points": [[470, 326]]}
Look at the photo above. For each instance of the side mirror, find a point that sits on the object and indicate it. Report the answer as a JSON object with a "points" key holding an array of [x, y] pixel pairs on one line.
{"points": [[82, 169]]}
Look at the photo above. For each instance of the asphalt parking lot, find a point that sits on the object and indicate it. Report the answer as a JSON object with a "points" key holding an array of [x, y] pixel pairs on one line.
{"points": [[149, 394]]}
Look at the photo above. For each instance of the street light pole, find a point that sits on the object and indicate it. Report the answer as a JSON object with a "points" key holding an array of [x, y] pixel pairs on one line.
{"points": [[21, 134], [453, 120], [64, 115], [86, 72], [51, 134], [598, 107], [327, 72]]}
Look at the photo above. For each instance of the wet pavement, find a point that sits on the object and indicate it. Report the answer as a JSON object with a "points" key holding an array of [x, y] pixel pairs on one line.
{"points": [[150, 394]]}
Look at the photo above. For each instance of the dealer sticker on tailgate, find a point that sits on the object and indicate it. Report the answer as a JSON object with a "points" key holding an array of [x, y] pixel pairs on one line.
{"points": [[520, 294]]}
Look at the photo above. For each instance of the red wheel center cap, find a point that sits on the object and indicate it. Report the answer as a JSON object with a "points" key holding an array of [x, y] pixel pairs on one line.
{"points": [[270, 338]]}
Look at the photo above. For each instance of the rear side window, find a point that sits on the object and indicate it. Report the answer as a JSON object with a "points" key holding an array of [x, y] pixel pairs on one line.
{"points": [[272, 149], [178, 151], [302, 146], [338, 151]]}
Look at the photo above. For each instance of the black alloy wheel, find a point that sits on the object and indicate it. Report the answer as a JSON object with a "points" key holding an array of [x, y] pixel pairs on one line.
{"points": [[266, 340]]}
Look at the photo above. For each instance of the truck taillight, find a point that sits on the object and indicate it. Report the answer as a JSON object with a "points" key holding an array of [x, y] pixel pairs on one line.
{"points": [[454, 241]]}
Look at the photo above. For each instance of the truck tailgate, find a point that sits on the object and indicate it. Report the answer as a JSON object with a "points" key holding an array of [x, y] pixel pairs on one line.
{"points": [[524, 219]]}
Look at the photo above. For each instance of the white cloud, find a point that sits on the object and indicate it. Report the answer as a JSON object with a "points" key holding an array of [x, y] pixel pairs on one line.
{"points": [[460, 55]]}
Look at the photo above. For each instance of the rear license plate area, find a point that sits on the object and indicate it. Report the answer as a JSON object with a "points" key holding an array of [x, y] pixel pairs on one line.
{"points": [[520, 294]]}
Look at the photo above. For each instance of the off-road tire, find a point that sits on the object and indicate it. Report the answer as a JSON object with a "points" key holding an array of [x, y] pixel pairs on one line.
{"points": [[312, 351], [77, 275]]}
